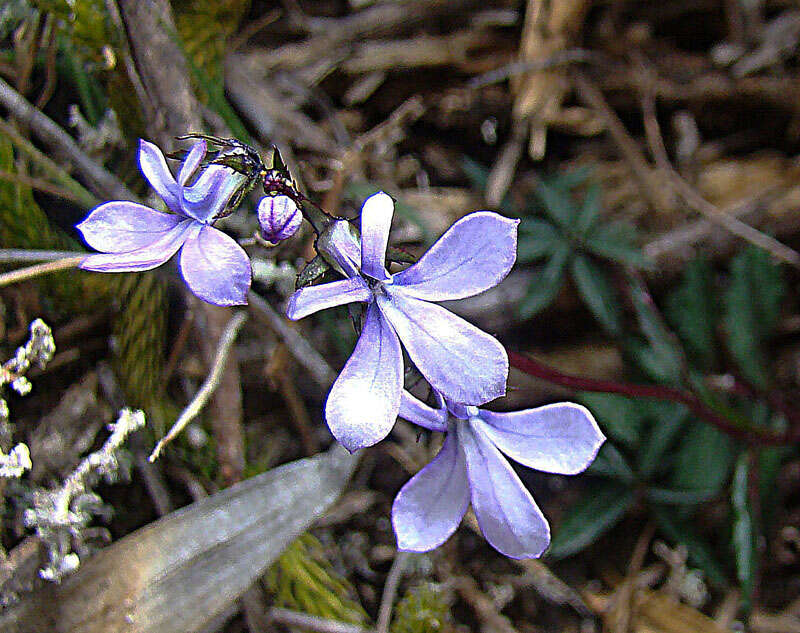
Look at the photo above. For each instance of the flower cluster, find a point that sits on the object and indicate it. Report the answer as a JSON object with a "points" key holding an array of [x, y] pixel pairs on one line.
{"points": [[464, 366]]}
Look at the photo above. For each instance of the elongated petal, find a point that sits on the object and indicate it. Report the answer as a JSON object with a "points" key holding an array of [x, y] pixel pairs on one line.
{"points": [[507, 514], [215, 267], [209, 195], [558, 438], [120, 226], [155, 170], [463, 363], [363, 403], [340, 247], [428, 509], [475, 254], [419, 413], [312, 299], [376, 220], [144, 258], [192, 162]]}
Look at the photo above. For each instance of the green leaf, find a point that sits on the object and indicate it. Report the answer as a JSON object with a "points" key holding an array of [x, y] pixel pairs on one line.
{"points": [[744, 533], [699, 552], [611, 463], [692, 309], [600, 509], [752, 308], [546, 283], [557, 204], [538, 238], [617, 241], [590, 210], [619, 416], [667, 496], [597, 293], [668, 420], [703, 461], [662, 358], [570, 179]]}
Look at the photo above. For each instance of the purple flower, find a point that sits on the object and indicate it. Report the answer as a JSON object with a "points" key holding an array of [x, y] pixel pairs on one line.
{"points": [[558, 438], [133, 237], [278, 217], [455, 357]]}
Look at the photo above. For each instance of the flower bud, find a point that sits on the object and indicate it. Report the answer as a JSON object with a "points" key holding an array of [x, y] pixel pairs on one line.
{"points": [[279, 218]]}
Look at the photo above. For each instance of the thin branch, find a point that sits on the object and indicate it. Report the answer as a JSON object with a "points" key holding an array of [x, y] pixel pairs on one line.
{"points": [[27, 255], [207, 389], [712, 212], [390, 591], [298, 346], [40, 185], [753, 436], [24, 274], [48, 165], [54, 136], [313, 622]]}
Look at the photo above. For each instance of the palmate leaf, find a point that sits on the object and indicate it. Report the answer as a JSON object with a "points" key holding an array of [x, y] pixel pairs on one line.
{"points": [[538, 238], [600, 509], [557, 204], [703, 461], [546, 283], [660, 358], [616, 241], [691, 308], [590, 210], [597, 293], [669, 420], [611, 463], [752, 307], [620, 417]]}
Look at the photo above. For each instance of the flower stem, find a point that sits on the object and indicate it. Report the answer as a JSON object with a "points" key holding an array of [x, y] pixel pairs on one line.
{"points": [[752, 436]]}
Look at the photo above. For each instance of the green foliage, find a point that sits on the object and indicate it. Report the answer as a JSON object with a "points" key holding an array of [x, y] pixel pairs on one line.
{"points": [[703, 461], [690, 307], [303, 579], [423, 609], [752, 307], [745, 534], [570, 238], [600, 509]]}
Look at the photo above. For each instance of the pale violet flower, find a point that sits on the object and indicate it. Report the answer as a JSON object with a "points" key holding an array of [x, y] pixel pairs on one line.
{"points": [[278, 217], [471, 467], [456, 358], [134, 237]]}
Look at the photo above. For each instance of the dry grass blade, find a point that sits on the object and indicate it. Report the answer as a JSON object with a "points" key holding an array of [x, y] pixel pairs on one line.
{"points": [[175, 575]]}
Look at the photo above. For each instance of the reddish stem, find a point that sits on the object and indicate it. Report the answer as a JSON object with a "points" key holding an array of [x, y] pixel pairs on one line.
{"points": [[658, 392]]}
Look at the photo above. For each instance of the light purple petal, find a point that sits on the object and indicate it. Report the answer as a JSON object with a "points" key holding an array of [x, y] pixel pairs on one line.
{"points": [[419, 413], [473, 255], [155, 170], [210, 194], [376, 220], [312, 299], [463, 363], [558, 438], [341, 248], [428, 509], [215, 267], [120, 226], [144, 258], [507, 514], [363, 403], [192, 162]]}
